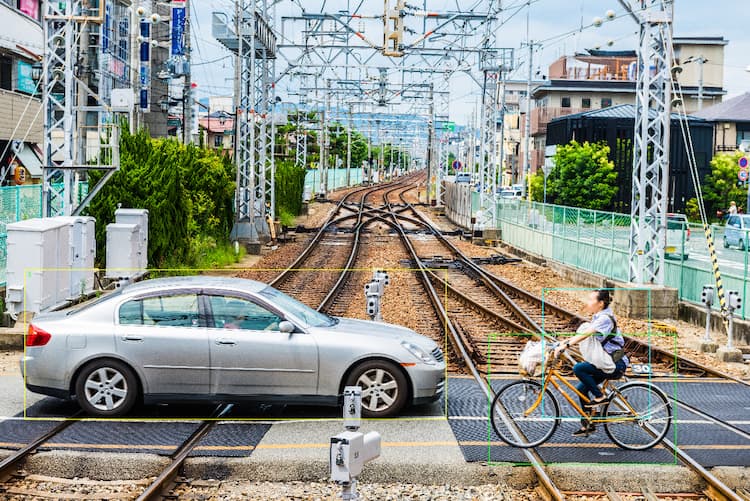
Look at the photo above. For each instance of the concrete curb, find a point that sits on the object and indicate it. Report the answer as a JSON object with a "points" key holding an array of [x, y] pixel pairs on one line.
{"points": [[574, 477], [11, 338]]}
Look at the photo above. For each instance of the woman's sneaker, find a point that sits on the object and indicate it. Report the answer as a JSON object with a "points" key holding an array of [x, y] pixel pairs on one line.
{"points": [[585, 430]]}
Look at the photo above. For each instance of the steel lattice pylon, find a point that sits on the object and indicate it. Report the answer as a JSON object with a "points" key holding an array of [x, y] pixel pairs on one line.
{"points": [[442, 105], [254, 43], [651, 144], [67, 27]]}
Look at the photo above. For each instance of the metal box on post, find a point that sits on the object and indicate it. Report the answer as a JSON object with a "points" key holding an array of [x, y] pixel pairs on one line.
{"points": [[138, 217], [38, 259], [82, 253], [123, 250]]}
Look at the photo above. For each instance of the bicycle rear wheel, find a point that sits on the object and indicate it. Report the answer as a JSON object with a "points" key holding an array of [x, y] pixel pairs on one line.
{"points": [[509, 419], [638, 416]]}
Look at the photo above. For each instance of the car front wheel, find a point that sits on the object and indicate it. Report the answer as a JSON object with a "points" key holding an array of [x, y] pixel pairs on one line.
{"points": [[384, 388], [106, 388], [726, 243]]}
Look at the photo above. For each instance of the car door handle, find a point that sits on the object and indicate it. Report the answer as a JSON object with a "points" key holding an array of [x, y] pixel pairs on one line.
{"points": [[132, 338], [226, 342]]}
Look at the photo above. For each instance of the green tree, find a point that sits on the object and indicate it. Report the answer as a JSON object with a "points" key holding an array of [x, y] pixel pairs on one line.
{"points": [[583, 176], [536, 187], [721, 186]]}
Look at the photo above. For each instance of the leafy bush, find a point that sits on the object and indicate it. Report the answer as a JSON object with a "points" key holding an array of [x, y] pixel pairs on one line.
{"points": [[187, 190], [289, 188]]}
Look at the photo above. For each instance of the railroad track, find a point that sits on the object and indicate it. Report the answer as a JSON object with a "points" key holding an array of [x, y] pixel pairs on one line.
{"points": [[322, 267], [524, 301]]}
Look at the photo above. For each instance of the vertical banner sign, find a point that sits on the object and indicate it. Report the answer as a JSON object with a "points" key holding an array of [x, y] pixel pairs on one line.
{"points": [[145, 59], [178, 29], [107, 28]]}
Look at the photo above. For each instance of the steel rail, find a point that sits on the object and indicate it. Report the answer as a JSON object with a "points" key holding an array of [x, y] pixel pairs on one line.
{"points": [[346, 271], [720, 490], [531, 454], [160, 487], [12, 462]]}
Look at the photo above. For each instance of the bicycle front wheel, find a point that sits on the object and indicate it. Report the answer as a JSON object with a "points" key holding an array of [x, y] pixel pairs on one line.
{"points": [[524, 417], [638, 416]]}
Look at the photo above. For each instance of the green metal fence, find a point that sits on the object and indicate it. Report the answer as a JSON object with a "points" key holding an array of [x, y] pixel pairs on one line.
{"points": [[18, 203], [598, 242]]}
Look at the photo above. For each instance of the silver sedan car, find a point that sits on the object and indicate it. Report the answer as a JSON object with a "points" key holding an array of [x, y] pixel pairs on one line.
{"points": [[211, 339]]}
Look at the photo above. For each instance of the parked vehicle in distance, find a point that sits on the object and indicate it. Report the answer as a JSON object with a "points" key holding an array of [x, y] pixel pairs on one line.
{"points": [[214, 339], [463, 177], [507, 193], [675, 247], [736, 231]]}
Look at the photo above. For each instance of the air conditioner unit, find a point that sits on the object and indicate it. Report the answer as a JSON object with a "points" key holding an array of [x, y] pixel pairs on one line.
{"points": [[745, 146]]}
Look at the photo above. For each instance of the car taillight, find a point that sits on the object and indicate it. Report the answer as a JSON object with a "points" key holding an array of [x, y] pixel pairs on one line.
{"points": [[688, 233], [37, 336]]}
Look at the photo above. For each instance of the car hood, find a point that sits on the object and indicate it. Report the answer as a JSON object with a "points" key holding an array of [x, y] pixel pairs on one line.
{"points": [[382, 330]]}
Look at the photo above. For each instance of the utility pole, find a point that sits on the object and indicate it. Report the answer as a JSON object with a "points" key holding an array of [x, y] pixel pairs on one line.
{"points": [[501, 156], [187, 93], [325, 139], [527, 125], [349, 146], [430, 144], [701, 61]]}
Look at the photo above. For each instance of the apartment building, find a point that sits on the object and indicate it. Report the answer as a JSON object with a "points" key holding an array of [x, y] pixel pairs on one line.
{"points": [[597, 79]]}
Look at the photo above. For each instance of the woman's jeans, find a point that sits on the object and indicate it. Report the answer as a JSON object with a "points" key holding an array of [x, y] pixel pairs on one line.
{"points": [[591, 377]]}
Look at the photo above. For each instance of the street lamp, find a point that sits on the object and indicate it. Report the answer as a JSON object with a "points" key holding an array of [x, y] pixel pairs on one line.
{"points": [[36, 71], [700, 61]]}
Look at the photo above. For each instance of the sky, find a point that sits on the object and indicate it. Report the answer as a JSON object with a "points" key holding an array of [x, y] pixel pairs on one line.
{"points": [[556, 23]]}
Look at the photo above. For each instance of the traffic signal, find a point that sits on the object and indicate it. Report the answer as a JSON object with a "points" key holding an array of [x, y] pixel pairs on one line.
{"points": [[707, 295]]}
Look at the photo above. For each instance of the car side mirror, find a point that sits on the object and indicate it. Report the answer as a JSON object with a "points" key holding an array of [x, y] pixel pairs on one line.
{"points": [[287, 326]]}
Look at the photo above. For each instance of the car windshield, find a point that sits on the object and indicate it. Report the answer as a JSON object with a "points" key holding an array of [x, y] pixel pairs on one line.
{"points": [[300, 310]]}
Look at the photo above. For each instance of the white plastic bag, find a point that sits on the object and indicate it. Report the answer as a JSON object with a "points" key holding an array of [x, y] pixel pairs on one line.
{"points": [[593, 352], [531, 357]]}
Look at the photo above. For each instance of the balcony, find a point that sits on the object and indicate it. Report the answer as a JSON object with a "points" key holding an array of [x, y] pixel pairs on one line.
{"points": [[540, 117]]}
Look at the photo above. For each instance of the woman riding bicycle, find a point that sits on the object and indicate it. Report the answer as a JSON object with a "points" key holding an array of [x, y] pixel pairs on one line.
{"points": [[603, 327]]}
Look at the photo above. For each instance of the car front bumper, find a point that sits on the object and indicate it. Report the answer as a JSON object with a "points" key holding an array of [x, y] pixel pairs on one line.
{"points": [[428, 382]]}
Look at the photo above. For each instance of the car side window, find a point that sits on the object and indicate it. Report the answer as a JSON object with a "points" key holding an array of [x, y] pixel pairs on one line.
{"points": [[178, 310], [131, 313], [239, 313]]}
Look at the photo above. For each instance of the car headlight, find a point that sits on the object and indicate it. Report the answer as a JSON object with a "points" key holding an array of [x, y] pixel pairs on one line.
{"points": [[418, 352]]}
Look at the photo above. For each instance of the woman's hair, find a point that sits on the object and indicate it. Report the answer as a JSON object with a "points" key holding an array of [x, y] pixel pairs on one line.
{"points": [[603, 296]]}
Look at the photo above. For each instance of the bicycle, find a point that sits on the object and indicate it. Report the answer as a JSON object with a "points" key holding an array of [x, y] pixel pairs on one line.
{"points": [[636, 415]]}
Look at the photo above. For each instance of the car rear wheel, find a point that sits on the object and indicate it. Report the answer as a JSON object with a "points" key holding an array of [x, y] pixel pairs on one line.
{"points": [[106, 388], [741, 245], [384, 388]]}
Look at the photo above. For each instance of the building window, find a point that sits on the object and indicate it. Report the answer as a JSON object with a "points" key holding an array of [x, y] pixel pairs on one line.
{"points": [[565, 102], [586, 102], [606, 102], [218, 141], [6, 73]]}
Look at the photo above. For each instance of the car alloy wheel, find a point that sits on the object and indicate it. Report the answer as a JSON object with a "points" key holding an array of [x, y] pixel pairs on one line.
{"points": [[379, 389], [106, 389]]}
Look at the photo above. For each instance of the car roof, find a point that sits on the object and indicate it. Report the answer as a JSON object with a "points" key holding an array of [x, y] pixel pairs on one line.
{"points": [[195, 281]]}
